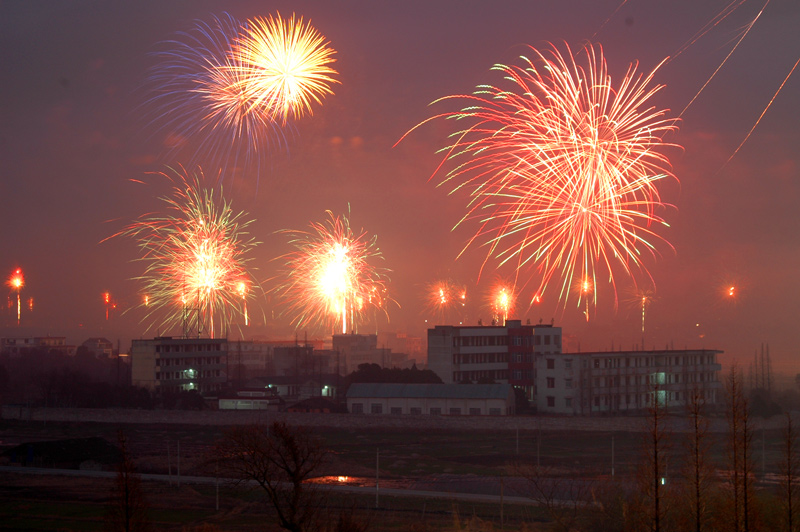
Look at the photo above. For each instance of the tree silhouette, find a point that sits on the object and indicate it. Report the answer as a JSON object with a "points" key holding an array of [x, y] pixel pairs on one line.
{"points": [[279, 459], [127, 508]]}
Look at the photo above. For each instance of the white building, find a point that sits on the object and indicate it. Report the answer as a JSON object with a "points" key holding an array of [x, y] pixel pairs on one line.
{"points": [[624, 381], [530, 357], [431, 399]]}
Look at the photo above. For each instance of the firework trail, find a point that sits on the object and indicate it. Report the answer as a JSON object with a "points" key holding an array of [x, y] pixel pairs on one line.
{"points": [[562, 167], [328, 279], [284, 65], [16, 282], [196, 256]]}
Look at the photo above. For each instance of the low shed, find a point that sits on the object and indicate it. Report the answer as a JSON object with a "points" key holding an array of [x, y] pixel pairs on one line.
{"points": [[431, 399]]}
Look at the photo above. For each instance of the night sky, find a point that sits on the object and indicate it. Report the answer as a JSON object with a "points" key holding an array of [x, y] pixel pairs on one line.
{"points": [[72, 142]]}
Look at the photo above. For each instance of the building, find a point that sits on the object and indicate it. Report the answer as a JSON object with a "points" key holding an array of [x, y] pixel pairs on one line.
{"points": [[251, 399], [431, 399], [20, 346], [166, 364], [492, 353], [250, 358], [626, 381], [530, 357], [356, 349], [99, 347]]}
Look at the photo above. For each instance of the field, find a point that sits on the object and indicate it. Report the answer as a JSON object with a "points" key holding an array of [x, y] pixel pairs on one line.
{"points": [[486, 462]]}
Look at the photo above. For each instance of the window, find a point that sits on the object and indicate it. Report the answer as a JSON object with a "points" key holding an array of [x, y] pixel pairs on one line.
{"points": [[568, 402], [551, 363], [567, 363], [474, 411], [597, 363], [455, 411], [358, 408], [568, 383], [435, 411], [551, 382], [551, 401], [396, 410], [546, 339], [416, 411], [376, 408], [494, 411]]}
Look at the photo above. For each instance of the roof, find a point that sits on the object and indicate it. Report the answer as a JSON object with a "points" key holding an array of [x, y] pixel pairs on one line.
{"points": [[430, 391]]}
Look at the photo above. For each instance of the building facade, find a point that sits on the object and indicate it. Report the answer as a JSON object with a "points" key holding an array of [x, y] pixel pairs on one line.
{"points": [[530, 358], [166, 364], [431, 399]]}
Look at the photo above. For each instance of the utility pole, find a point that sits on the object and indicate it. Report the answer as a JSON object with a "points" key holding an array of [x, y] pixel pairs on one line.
{"points": [[377, 475]]}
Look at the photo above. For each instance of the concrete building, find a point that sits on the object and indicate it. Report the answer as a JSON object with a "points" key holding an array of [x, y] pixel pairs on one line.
{"points": [[431, 399], [492, 353], [356, 349], [99, 347], [530, 357], [22, 345], [627, 381], [166, 364]]}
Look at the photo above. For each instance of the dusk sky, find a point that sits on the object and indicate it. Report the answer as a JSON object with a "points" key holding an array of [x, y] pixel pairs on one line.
{"points": [[74, 144]]}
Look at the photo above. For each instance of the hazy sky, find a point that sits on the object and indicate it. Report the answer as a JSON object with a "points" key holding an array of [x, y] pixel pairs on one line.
{"points": [[72, 139]]}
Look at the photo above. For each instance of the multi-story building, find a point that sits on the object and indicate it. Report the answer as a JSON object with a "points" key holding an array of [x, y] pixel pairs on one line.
{"points": [[530, 358], [355, 349], [492, 353], [20, 346], [623, 381], [169, 364]]}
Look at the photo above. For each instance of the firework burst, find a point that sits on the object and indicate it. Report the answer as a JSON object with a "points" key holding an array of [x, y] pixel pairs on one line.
{"points": [[329, 280], [196, 255], [199, 96], [502, 301], [445, 297], [562, 167], [285, 63]]}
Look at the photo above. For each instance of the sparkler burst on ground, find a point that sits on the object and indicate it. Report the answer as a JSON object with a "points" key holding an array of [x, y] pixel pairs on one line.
{"points": [[196, 255], [562, 167], [224, 91], [286, 66], [330, 279]]}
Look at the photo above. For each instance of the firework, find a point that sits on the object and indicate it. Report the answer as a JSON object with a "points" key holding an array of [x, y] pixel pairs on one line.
{"points": [[200, 96], [641, 298], [502, 300], [196, 255], [444, 297], [562, 167], [16, 282], [329, 279], [284, 65]]}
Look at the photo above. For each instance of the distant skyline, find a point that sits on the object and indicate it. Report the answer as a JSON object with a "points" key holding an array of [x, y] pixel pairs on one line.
{"points": [[79, 159]]}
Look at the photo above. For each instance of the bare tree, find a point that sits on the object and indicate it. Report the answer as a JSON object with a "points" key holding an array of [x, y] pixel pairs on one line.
{"points": [[653, 472], [789, 469], [740, 438], [699, 473], [565, 495], [279, 459], [127, 508]]}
